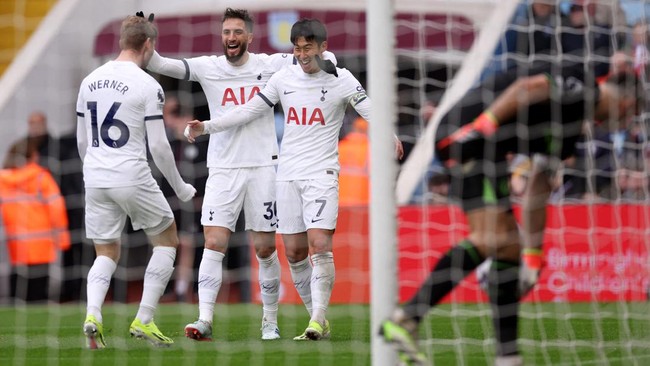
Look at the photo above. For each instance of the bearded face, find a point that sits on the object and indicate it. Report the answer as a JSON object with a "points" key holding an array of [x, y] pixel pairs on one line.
{"points": [[235, 39]]}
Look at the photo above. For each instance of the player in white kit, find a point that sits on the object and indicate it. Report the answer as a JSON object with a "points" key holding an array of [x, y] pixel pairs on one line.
{"points": [[242, 163], [119, 108], [314, 95]]}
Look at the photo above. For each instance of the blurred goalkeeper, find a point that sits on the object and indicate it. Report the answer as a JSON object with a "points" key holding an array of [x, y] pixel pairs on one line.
{"points": [[119, 108], [537, 112]]}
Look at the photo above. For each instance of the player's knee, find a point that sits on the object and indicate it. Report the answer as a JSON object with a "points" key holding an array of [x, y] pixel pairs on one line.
{"points": [[108, 248], [216, 244], [264, 251], [296, 254], [320, 245], [264, 243]]}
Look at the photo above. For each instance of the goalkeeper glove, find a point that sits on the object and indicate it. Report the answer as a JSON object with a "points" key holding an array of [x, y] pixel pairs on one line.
{"points": [[532, 262], [485, 125]]}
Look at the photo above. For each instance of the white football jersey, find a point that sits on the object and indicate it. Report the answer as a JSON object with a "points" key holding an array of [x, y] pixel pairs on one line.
{"points": [[314, 106], [115, 101], [227, 87]]}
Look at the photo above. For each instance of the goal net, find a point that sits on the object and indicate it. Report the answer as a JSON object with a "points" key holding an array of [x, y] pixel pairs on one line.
{"points": [[589, 307]]}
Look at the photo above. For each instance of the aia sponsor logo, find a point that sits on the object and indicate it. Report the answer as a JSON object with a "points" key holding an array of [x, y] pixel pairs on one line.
{"points": [[305, 116], [238, 96]]}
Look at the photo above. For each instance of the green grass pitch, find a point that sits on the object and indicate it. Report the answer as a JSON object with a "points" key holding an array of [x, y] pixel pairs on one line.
{"points": [[551, 334]]}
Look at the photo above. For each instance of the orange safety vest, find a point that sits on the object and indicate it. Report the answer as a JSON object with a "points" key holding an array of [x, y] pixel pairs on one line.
{"points": [[354, 178], [34, 215]]}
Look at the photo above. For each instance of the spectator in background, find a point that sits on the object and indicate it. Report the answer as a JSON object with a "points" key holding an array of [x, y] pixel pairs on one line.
{"points": [[190, 160], [640, 49], [438, 186], [35, 222], [541, 21], [61, 158], [531, 32], [632, 158], [46, 145], [354, 178], [583, 37]]}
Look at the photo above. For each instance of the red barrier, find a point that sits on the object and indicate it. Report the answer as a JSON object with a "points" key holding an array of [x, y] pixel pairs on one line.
{"points": [[593, 252]]}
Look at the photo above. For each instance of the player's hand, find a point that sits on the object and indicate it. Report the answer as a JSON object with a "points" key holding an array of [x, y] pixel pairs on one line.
{"points": [[141, 15], [326, 65], [399, 148], [532, 262], [193, 130], [483, 126], [186, 192]]}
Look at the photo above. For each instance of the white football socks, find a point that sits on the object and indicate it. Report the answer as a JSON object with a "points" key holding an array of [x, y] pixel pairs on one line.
{"points": [[97, 284], [322, 282], [156, 276], [210, 278], [269, 279], [301, 275]]}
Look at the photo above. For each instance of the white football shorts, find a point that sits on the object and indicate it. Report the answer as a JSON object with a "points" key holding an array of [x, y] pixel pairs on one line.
{"points": [[107, 208], [307, 204], [227, 191]]}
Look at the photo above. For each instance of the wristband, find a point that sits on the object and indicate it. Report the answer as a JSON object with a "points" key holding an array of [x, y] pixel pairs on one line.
{"points": [[532, 258], [486, 123]]}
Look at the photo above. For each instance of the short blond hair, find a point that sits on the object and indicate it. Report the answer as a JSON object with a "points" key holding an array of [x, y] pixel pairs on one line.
{"points": [[134, 32]]}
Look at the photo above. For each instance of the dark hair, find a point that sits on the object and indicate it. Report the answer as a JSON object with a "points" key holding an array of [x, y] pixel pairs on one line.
{"points": [[231, 13], [310, 29], [21, 152], [575, 7], [628, 83]]}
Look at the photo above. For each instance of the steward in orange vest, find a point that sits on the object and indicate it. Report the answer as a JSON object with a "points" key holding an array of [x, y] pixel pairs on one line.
{"points": [[32, 208], [354, 178]]}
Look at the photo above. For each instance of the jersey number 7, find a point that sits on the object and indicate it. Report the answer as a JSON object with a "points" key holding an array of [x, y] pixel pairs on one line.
{"points": [[108, 122]]}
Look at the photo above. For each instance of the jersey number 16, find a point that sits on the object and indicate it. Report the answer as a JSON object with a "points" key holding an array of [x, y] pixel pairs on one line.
{"points": [[108, 122]]}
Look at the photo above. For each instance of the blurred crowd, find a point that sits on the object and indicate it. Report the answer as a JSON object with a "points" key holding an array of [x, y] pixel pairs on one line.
{"points": [[612, 161]]}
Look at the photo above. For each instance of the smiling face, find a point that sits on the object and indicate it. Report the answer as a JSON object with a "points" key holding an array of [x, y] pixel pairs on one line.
{"points": [[304, 51], [235, 38]]}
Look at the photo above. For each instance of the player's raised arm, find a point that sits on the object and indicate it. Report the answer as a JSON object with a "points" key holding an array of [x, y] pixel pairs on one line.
{"points": [[162, 155], [235, 118], [171, 67]]}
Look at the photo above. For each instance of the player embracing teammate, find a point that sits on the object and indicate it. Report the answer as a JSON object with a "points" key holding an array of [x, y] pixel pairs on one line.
{"points": [[242, 168], [314, 95]]}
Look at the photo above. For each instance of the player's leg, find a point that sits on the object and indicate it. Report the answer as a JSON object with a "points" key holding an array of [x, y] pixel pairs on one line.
{"points": [[157, 275], [535, 199], [104, 223], [322, 281], [185, 267], [148, 209], [269, 280], [294, 237], [320, 207], [296, 247], [261, 220], [222, 203]]}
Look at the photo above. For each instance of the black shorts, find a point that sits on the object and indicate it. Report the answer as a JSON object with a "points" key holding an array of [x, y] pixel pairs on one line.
{"points": [[479, 174]]}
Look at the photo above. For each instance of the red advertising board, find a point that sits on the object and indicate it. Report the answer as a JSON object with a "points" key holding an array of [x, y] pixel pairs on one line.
{"points": [[593, 253]]}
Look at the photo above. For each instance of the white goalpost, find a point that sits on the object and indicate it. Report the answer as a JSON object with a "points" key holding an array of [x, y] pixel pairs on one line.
{"points": [[383, 226]]}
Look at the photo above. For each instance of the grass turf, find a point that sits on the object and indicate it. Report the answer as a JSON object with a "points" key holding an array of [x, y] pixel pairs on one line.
{"points": [[552, 334]]}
